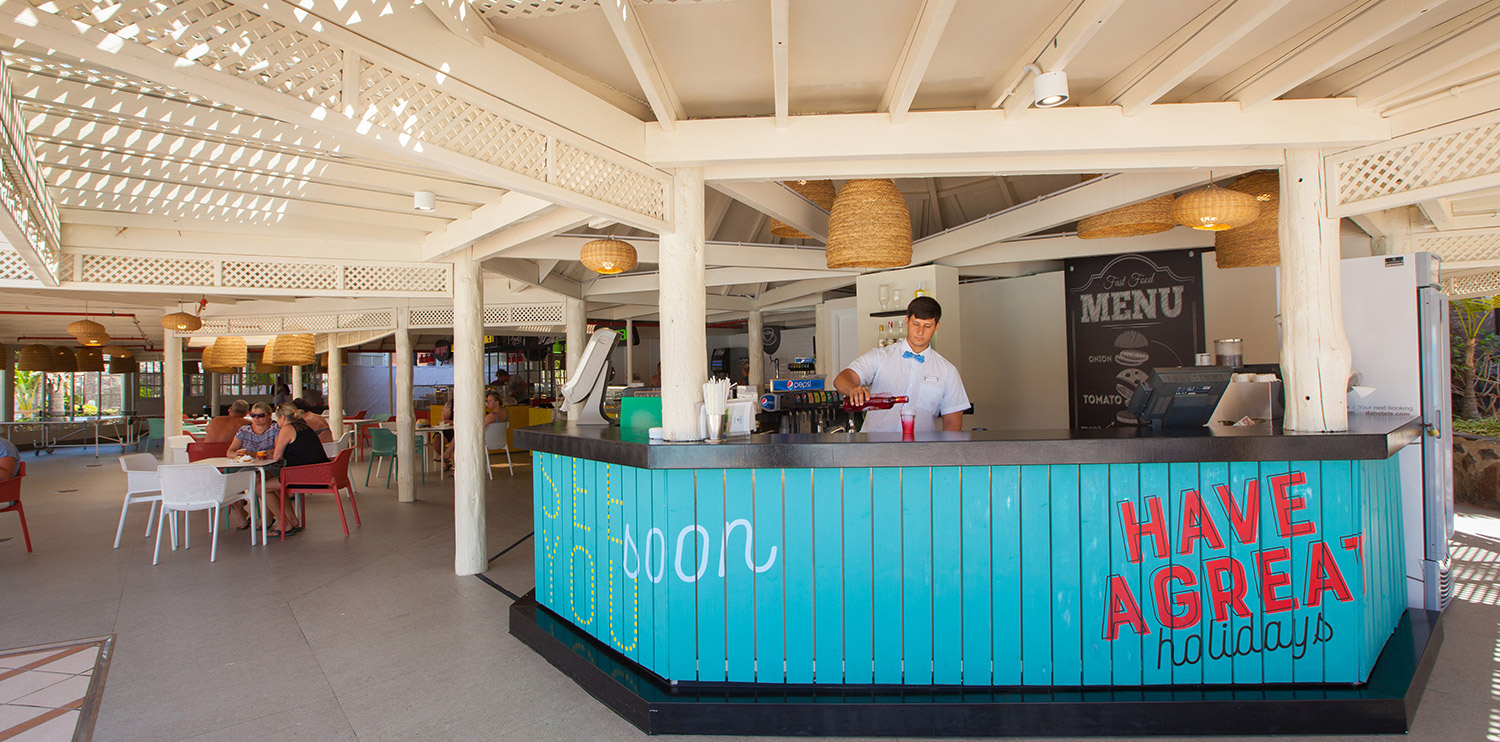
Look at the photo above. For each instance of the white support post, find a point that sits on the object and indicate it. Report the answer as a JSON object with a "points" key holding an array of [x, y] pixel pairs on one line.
{"points": [[754, 329], [684, 337], [171, 382], [8, 386], [469, 457], [575, 321], [335, 389], [296, 383], [629, 352], [211, 378], [406, 419], [1315, 356]]}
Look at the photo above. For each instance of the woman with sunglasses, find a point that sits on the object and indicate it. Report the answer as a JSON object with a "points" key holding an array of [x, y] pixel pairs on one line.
{"points": [[296, 444], [257, 439]]}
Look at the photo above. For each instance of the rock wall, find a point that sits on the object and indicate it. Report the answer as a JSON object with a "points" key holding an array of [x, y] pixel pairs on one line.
{"points": [[1476, 470]]}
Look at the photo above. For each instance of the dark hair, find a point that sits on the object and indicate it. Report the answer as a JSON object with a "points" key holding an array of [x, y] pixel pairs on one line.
{"points": [[301, 404], [925, 307]]}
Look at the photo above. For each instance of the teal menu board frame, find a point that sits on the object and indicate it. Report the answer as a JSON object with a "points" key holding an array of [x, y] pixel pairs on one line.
{"points": [[1071, 575]]}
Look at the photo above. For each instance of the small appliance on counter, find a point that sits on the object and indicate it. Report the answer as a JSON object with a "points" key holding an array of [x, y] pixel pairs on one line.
{"points": [[814, 411]]}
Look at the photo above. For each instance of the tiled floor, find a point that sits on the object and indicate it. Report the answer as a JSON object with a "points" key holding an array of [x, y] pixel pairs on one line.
{"points": [[46, 693], [372, 636]]}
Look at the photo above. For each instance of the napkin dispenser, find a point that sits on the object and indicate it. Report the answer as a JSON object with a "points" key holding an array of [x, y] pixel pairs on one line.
{"points": [[741, 413]]}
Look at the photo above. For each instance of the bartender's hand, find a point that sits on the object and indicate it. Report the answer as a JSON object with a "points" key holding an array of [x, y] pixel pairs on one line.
{"points": [[858, 395]]}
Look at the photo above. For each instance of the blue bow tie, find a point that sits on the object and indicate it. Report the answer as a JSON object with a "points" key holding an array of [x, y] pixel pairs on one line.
{"points": [[918, 356]]}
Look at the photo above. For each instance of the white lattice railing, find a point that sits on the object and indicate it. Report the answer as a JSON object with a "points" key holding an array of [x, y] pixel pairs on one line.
{"points": [[1424, 165], [532, 316], [315, 63], [1471, 285], [1461, 246], [279, 276], [33, 220], [505, 9]]}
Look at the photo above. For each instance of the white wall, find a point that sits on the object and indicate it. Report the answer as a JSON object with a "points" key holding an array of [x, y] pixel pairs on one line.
{"points": [[1241, 303]]}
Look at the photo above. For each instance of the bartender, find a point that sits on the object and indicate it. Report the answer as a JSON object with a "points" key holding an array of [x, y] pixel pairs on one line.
{"points": [[912, 369]]}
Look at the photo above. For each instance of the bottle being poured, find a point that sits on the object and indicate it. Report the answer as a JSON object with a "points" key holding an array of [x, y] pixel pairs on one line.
{"points": [[875, 402]]}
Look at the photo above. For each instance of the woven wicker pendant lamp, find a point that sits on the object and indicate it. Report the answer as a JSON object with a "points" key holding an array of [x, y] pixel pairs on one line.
{"points": [[63, 361], [268, 358], [123, 365], [117, 351], [608, 256], [1215, 209], [820, 192], [1135, 220], [35, 358], [291, 350], [89, 333], [89, 359], [869, 226], [1259, 242], [230, 351]]}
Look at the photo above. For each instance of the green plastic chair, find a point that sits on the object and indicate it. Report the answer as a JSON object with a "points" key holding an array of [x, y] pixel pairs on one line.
{"points": [[383, 445], [156, 430]]}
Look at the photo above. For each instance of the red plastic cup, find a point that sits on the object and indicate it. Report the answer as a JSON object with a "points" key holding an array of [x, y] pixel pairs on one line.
{"points": [[908, 427]]}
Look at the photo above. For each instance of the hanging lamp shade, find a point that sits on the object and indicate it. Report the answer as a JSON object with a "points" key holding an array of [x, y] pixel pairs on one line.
{"points": [[117, 351], [210, 363], [181, 322], [1146, 217], [869, 226], [820, 192], [268, 356], [1259, 242], [63, 361], [230, 351], [1215, 209], [35, 358], [608, 256], [89, 333], [89, 359], [123, 365], [291, 350]]}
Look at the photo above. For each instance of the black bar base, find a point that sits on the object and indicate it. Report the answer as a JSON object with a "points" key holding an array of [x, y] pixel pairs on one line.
{"points": [[1385, 705]]}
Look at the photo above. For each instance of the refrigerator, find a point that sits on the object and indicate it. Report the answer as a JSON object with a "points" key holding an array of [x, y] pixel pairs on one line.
{"points": [[1396, 319]]}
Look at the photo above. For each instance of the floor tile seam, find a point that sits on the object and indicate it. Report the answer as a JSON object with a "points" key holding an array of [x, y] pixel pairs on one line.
{"points": [[330, 581], [196, 735], [324, 671]]}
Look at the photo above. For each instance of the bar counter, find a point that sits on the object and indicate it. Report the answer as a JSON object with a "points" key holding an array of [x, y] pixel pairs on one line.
{"points": [[1116, 558]]}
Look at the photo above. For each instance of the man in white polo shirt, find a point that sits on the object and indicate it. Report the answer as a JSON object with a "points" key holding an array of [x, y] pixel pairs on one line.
{"points": [[912, 369]]}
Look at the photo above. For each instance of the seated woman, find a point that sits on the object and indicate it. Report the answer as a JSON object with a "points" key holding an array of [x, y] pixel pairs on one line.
{"points": [[297, 444], [258, 436], [314, 420]]}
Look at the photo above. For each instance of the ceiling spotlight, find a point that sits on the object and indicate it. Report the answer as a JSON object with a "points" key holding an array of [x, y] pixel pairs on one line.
{"points": [[1050, 89], [427, 200]]}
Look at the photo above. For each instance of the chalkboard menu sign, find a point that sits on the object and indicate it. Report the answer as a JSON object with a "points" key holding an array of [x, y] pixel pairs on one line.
{"points": [[1128, 314]]}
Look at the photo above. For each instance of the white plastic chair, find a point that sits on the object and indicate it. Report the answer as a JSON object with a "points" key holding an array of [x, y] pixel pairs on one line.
{"points": [[174, 450], [332, 448], [494, 440], [141, 485], [188, 487]]}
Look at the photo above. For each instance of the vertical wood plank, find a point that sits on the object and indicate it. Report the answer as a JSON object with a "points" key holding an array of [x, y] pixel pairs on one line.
{"points": [[1095, 567], [684, 544], [739, 575], [1307, 655], [545, 508], [978, 575], [1342, 652], [661, 563], [1036, 576], [1006, 620], [916, 575], [1067, 603], [1125, 651], [1243, 477], [859, 574], [1276, 629], [709, 498], [641, 527], [1156, 487], [1212, 550], [886, 522], [948, 538], [828, 575], [1187, 641], [617, 595], [798, 527], [770, 595]]}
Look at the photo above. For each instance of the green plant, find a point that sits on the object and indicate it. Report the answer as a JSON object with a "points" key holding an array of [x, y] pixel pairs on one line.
{"points": [[1484, 426], [1469, 316]]}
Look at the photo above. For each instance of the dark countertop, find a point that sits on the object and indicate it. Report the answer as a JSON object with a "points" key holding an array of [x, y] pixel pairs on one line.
{"points": [[1368, 438]]}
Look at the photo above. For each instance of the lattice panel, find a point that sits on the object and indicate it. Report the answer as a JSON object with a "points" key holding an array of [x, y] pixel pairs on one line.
{"points": [[312, 323], [280, 275], [13, 268], [434, 317], [365, 320], [1472, 284], [537, 313], [22, 190], [65, 266], [1451, 156], [252, 325], [1462, 247], [146, 271], [502, 9], [385, 278], [81, 72], [212, 327], [588, 174]]}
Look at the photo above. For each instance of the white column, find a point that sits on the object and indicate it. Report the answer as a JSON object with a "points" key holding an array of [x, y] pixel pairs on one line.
{"points": [[1315, 355], [629, 351], [684, 340], [8, 385], [296, 382], [754, 328], [469, 457], [171, 382], [575, 320], [335, 397], [406, 434], [211, 378]]}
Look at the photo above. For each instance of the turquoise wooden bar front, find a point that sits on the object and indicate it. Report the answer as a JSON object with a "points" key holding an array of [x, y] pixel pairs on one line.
{"points": [[1091, 574]]}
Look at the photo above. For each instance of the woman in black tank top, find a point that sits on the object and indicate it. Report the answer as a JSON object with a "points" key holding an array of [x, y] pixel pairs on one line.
{"points": [[296, 445]]}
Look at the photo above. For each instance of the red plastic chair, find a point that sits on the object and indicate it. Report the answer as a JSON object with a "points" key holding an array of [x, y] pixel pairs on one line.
{"points": [[201, 451], [10, 491], [320, 478], [423, 415]]}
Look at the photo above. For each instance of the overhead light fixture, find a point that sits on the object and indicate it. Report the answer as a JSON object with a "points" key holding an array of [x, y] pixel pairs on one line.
{"points": [[424, 201], [1215, 209], [608, 256], [1050, 89]]}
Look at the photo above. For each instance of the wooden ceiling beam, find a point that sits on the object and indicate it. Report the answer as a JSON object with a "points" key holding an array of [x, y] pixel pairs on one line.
{"points": [[911, 64], [625, 21], [1474, 43], [781, 203], [781, 43], [1062, 40], [712, 277], [461, 18], [539, 227], [511, 209]]}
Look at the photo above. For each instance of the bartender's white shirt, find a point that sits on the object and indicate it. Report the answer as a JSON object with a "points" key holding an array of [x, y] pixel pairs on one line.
{"points": [[933, 386]]}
